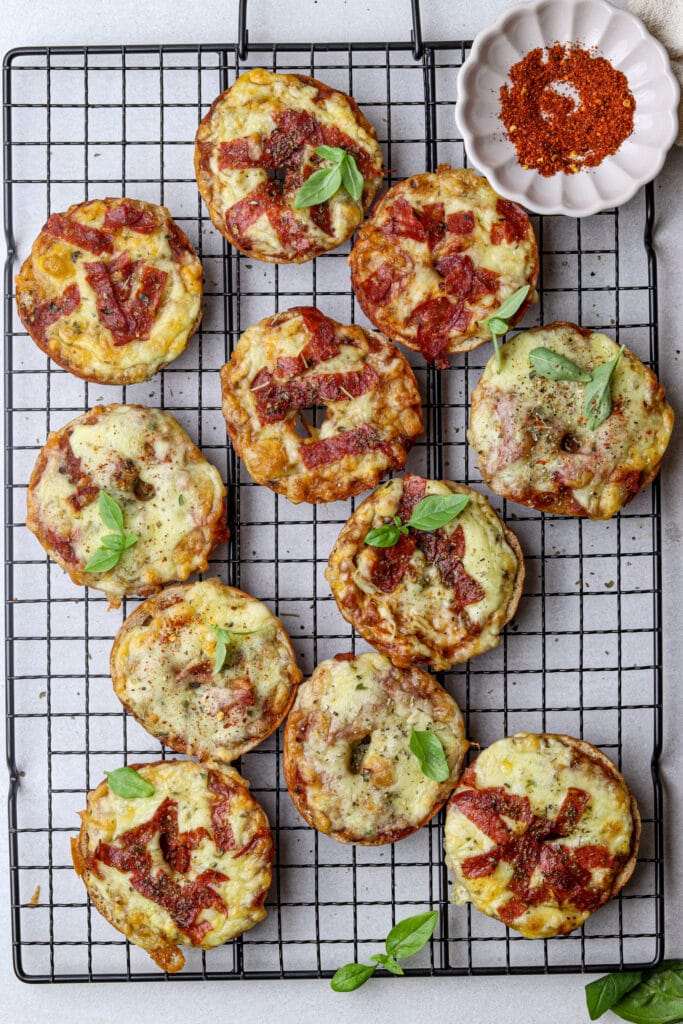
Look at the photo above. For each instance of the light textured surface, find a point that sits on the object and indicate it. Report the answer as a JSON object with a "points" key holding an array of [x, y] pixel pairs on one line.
{"points": [[501, 999]]}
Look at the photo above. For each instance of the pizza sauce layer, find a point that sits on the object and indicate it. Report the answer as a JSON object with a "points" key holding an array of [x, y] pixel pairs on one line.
{"points": [[189, 866], [541, 831], [439, 255], [163, 661], [437, 597], [533, 441], [347, 759], [256, 147], [171, 498], [112, 290], [300, 359]]}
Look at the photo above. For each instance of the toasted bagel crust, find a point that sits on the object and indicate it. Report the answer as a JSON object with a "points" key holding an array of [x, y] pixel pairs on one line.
{"points": [[201, 883], [532, 437], [436, 610], [162, 666], [540, 832], [112, 290], [267, 122], [347, 759]]}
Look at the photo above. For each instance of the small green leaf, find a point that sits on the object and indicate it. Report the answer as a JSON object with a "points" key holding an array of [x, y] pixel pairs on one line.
{"points": [[220, 655], [513, 302], [410, 935], [385, 536], [110, 512], [181, 499], [497, 326], [113, 541], [352, 178], [496, 348], [102, 560], [554, 366], [333, 153], [437, 510], [224, 638], [388, 963], [320, 187], [129, 784], [599, 391], [658, 999], [351, 976], [602, 994], [428, 750], [129, 539]]}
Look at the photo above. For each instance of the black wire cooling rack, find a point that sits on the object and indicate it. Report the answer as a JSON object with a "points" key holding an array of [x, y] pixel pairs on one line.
{"points": [[583, 655]]}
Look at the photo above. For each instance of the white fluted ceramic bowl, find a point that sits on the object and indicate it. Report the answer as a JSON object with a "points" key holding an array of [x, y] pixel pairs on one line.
{"points": [[625, 42]]}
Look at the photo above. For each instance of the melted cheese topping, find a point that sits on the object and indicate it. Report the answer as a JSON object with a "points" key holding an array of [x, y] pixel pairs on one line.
{"points": [[460, 191], [144, 921], [272, 451], [348, 763], [162, 669], [79, 341], [532, 437], [543, 769], [417, 621], [250, 109], [128, 450]]}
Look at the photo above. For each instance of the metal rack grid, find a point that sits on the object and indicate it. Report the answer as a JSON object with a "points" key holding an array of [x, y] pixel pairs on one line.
{"points": [[583, 655]]}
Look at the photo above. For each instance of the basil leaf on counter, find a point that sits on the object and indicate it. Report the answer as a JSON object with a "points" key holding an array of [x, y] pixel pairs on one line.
{"points": [[599, 391], [388, 963], [437, 510], [428, 750], [653, 997], [351, 976], [554, 366], [601, 995], [129, 784], [411, 935]]}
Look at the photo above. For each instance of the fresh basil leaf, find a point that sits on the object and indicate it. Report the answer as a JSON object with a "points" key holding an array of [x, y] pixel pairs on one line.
{"points": [[352, 178], [351, 976], [602, 994], [436, 510], [384, 536], [113, 541], [110, 512], [129, 539], [320, 187], [388, 963], [599, 391], [220, 655], [554, 366], [513, 302], [333, 153], [410, 935], [102, 560], [428, 750], [497, 326], [129, 784], [658, 999], [496, 348]]}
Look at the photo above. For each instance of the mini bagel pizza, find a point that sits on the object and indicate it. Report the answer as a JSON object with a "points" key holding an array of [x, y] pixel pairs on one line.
{"points": [[298, 359], [570, 424], [348, 758], [205, 668], [188, 865], [540, 832], [437, 592], [112, 290], [125, 502], [256, 147], [439, 255]]}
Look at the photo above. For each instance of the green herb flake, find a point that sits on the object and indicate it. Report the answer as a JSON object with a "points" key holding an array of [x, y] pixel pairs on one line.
{"points": [[129, 784]]}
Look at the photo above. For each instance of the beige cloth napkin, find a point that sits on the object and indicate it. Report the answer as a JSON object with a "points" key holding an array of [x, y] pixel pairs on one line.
{"points": [[664, 19]]}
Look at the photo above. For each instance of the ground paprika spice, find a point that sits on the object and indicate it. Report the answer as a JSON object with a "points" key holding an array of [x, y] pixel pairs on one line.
{"points": [[566, 109]]}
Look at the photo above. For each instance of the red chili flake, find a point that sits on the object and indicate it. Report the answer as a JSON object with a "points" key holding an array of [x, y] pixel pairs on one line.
{"points": [[566, 109]]}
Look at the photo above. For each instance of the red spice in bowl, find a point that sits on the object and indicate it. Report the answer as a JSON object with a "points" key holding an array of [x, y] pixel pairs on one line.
{"points": [[566, 109]]}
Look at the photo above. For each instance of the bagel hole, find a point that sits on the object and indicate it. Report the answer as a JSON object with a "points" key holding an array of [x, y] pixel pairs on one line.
{"points": [[302, 427], [570, 444], [358, 751], [278, 175], [142, 490]]}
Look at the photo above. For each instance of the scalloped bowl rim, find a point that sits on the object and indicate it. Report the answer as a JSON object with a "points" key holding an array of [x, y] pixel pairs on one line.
{"points": [[510, 16]]}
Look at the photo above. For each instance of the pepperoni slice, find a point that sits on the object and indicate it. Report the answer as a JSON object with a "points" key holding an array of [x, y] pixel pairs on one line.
{"points": [[78, 234], [86, 490], [125, 215], [485, 281], [239, 154], [390, 564], [223, 835], [414, 488], [352, 442], [458, 270], [323, 344], [460, 223], [274, 401], [49, 312], [62, 545], [293, 130], [127, 318], [514, 225], [390, 278], [247, 211], [434, 319], [178, 242], [146, 299]]}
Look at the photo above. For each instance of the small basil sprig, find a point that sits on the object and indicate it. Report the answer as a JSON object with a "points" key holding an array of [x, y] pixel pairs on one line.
{"points": [[129, 784], [323, 184], [598, 398], [498, 323], [429, 514], [428, 749], [113, 544], [405, 939], [224, 639], [652, 997]]}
